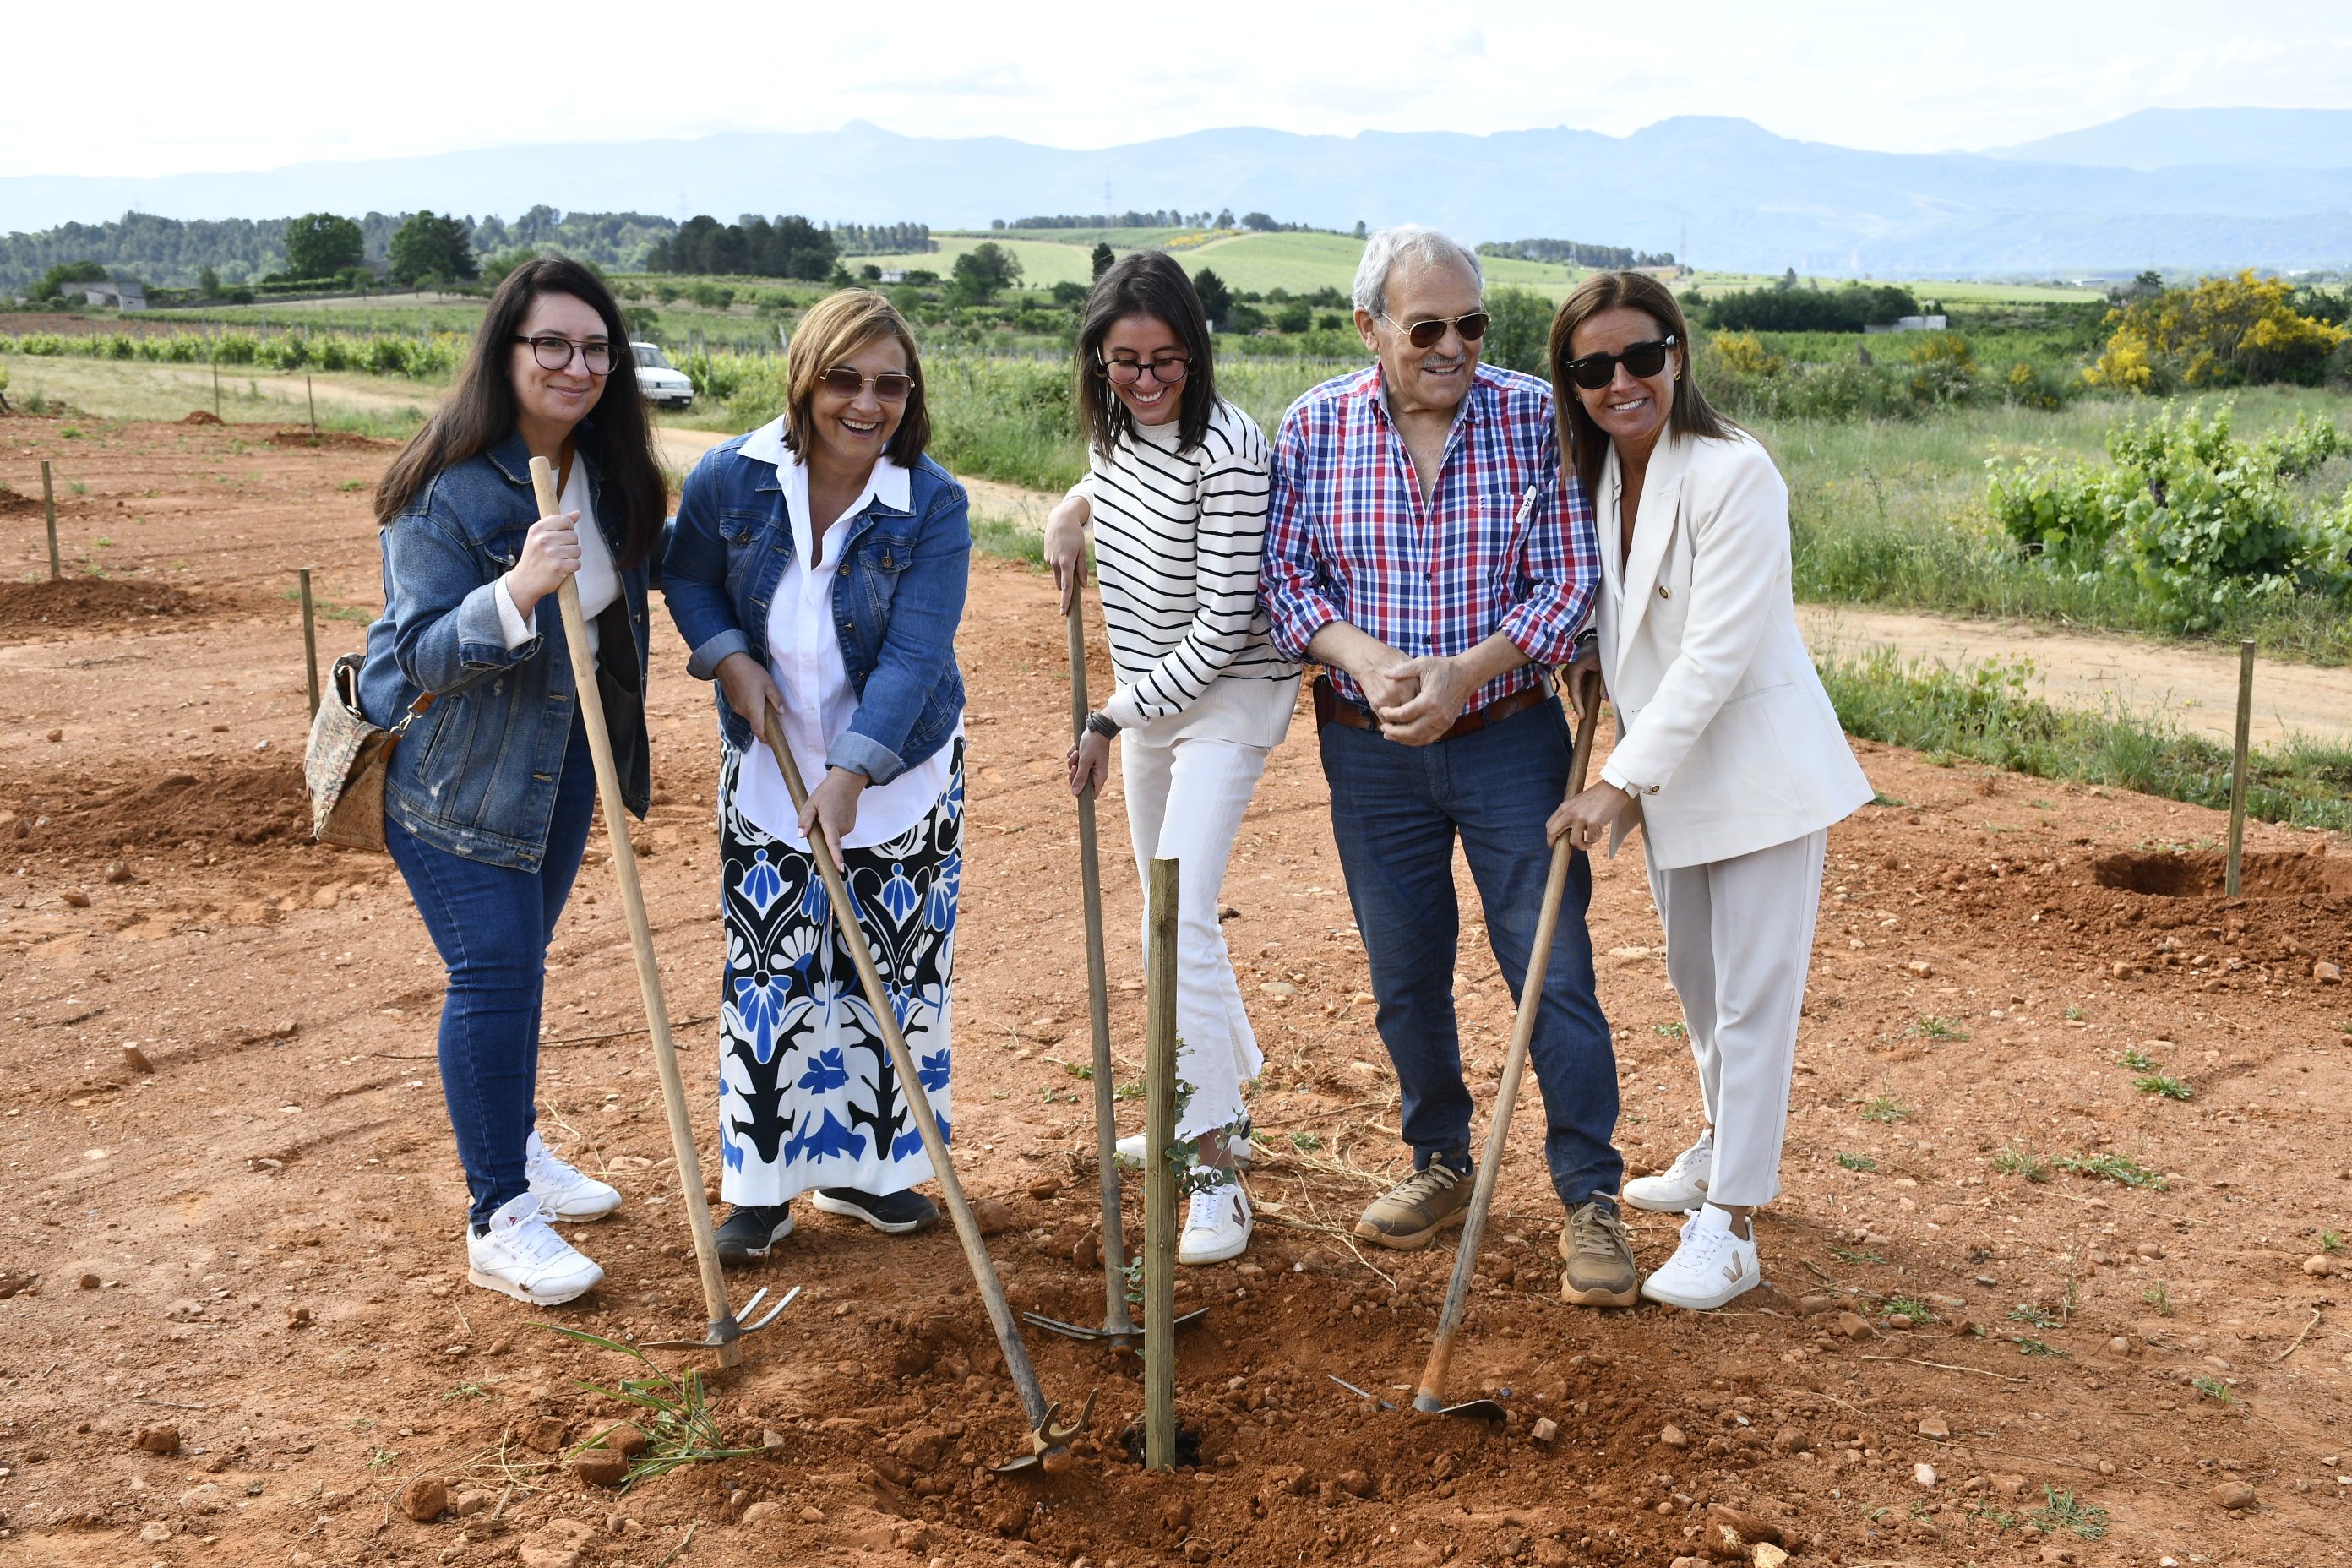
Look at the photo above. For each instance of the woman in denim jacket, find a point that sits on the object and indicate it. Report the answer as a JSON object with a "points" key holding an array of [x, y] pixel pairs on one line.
{"points": [[819, 564], [487, 797]]}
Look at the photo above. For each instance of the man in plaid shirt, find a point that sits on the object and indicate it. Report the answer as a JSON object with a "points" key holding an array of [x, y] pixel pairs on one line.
{"points": [[1424, 546]]}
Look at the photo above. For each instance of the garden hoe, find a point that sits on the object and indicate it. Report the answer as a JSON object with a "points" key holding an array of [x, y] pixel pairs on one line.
{"points": [[726, 1330], [1049, 1439], [1429, 1398], [1119, 1326]]}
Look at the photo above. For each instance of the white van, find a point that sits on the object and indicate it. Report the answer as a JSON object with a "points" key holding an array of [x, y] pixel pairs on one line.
{"points": [[664, 384]]}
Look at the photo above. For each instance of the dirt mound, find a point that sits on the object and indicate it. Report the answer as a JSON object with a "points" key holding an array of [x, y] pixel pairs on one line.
{"points": [[200, 417], [229, 806], [340, 440], [2204, 874], [27, 607], [12, 502]]}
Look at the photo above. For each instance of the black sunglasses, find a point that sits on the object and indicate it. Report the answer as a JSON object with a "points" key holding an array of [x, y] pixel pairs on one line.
{"points": [[1593, 371], [1428, 334]]}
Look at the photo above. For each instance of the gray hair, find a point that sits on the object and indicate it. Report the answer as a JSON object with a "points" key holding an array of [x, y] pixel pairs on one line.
{"points": [[1407, 241]]}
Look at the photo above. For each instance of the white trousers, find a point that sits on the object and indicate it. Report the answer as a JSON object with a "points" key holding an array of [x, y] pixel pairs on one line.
{"points": [[1739, 938], [1184, 803]]}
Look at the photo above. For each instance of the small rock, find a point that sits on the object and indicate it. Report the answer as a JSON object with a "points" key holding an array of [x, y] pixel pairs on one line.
{"points": [[1768, 1555], [1814, 1306], [158, 1439], [2326, 974], [762, 1512], [136, 1059], [812, 1514], [1197, 1551], [87, 1281], [157, 1533], [1355, 1483], [1850, 1325], [2319, 1264], [1674, 1436], [1045, 1187], [2235, 1496], [771, 1440], [425, 1500], [472, 1500], [1937, 1427], [1545, 1430], [1924, 1474], [1898, 1321], [1790, 1440], [2120, 1345], [1920, 968], [298, 1317], [204, 1498], [994, 1216], [600, 1466], [55, 735], [545, 1434], [117, 871], [76, 898], [627, 1440]]}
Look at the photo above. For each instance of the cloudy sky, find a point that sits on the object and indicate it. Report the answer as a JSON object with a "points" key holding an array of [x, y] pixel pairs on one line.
{"points": [[293, 83]]}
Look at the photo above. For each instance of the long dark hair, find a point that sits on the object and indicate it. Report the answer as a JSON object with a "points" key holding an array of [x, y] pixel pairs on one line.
{"points": [[1144, 283], [1584, 443], [480, 410]]}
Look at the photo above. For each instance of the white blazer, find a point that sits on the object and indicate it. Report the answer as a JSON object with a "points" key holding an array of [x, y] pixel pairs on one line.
{"points": [[1726, 730]]}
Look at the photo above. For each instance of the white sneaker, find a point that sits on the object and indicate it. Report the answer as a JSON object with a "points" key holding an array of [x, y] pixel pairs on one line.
{"points": [[1681, 1187], [562, 1191], [1217, 1225], [1711, 1267], [1129, 1151], [522, 1256]]}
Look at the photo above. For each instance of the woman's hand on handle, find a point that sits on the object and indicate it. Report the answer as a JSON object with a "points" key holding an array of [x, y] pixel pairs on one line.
{"points": [[750, 691], [551, 554], [1065, 545], [1089, 763], [1588, 817], [832, 805], [1584, 677]]}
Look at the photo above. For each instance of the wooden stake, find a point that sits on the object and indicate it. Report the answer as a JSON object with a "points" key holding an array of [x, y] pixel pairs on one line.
{"points": [[216, 413], [310, 641], [2237, 769], [50, 506], [311, 392], [1159, 1193]]}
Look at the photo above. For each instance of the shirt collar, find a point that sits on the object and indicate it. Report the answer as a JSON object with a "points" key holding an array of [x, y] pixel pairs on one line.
{"points": [[892, 482], [1475, 404]]}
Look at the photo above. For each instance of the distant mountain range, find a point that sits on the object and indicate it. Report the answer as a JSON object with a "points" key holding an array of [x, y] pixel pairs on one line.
{"points": [[2205, 188]]}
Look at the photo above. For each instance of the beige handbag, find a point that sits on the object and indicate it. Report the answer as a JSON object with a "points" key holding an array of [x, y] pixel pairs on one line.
{"points": [[344, 767]]}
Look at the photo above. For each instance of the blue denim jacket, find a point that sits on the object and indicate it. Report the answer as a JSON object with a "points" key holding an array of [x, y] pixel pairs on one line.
{"points": [[476, 774], [895, 603]]}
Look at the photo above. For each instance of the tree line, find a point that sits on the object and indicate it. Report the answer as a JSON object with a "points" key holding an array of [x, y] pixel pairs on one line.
{"points": [[1165, 217], [1576, 253]]}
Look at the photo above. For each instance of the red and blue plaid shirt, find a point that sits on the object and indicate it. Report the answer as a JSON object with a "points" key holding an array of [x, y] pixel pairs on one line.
{"points": [[1348, 540]]}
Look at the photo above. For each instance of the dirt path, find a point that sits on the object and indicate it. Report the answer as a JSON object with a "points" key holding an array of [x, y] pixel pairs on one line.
{"points": [[255, 1244]]}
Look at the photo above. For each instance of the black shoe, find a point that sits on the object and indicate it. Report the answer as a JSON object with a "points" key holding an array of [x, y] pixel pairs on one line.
{"points": [[892, 1214], [750, 1232]]}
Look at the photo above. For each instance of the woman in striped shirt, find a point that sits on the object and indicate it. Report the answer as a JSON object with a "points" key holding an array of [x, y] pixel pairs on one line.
{"points": [[1176, 492]]}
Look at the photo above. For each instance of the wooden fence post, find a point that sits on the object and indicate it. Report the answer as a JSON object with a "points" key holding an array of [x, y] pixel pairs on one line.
{"points": [[2238, 768]]}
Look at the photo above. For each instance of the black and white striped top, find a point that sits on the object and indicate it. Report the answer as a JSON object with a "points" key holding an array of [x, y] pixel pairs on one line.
{"points": [[1178, 539]]}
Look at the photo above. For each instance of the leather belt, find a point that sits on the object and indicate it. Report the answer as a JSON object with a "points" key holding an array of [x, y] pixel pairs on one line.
{"points": [[1331, 708]]}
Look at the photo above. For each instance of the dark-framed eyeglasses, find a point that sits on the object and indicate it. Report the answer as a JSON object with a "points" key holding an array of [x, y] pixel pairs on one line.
{"points": [[1642, 361], [890, 386], [1428, 334], [596, 356], [1166, 370]]}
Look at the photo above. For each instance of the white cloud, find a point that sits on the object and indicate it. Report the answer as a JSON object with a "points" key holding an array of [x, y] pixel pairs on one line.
{"points": [[149, 96]]}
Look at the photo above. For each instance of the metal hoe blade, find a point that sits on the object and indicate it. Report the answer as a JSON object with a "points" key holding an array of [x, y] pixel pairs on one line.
{"points": [[1475, 1409], [1128, 1339], [1049, 1442], [726, 1330]]}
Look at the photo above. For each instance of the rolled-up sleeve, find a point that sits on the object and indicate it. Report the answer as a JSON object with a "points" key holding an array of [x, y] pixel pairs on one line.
{"points": [[443, 638], [694, 577], [1559, 572], [1291, 582]]}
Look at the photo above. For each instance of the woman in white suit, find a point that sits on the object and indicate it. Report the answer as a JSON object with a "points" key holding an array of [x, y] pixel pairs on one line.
{"points": [[1730, 757]]}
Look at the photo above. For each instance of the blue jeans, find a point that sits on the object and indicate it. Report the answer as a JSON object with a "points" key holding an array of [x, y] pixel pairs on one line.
{"points": [[1396, 812], [492, 925]]}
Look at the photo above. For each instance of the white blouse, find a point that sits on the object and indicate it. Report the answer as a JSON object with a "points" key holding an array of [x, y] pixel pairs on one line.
{"points": [[805, 658], [598, 583]]}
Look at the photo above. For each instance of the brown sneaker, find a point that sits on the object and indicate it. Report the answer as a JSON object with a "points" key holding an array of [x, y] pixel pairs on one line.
{"points": [[1599, 1255], [1409, 1216]]}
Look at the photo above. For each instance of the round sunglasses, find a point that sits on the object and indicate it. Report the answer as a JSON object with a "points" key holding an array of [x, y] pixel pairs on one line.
{"points": [[1593, 371], [1428, 334]]}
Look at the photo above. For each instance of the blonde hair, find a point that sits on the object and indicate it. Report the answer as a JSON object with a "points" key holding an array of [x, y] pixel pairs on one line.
{"points": [[835, 327]]}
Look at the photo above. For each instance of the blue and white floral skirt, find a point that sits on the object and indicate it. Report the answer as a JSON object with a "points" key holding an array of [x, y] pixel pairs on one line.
{"points": [[806, 1094]]}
